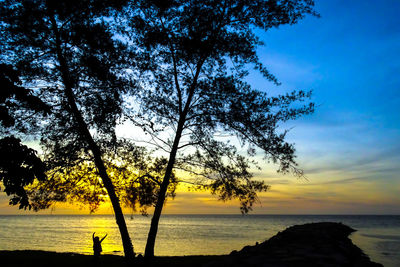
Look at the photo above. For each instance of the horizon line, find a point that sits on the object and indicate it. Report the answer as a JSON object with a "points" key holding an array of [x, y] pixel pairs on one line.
{"points": [[210, 214]]}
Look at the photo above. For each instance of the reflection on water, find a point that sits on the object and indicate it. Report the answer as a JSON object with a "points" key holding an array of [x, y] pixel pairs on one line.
{"points": [[382, 244], [378, 236], [57, 233]]}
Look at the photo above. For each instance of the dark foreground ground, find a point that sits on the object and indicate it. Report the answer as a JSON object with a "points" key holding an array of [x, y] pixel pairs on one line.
{"points": [[316, 244]]}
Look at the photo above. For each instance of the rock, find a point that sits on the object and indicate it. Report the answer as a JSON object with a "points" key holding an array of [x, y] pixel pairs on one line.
{"points": [[313, 244]]}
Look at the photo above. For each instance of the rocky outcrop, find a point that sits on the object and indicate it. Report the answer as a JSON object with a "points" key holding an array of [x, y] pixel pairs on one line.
{"points": [[314, 244]]}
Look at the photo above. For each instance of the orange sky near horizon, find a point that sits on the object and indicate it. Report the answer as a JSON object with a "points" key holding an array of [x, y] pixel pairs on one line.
{"points": [[288, 195]]}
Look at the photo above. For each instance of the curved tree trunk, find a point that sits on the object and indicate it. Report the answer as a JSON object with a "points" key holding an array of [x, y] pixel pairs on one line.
{"points": [[94, 148], [151, 237]]}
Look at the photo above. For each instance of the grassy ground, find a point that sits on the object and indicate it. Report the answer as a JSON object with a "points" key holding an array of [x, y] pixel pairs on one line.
{"points": [[29, 258]]}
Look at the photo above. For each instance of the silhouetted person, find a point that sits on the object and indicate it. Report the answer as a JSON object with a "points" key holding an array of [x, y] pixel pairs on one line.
{"points": [[97, 245]]}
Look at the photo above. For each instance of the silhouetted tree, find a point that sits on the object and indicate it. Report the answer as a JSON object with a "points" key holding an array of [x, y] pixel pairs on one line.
{"points": [[192, 59], [66, 54], [19, 165], [17, 104]]}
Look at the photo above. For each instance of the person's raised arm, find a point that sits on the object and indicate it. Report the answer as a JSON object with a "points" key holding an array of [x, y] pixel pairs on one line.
{"points": [[93, 236], [103, 238]]}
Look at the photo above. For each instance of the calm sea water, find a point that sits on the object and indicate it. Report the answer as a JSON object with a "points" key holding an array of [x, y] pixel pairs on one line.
{"points": [[378, 236]]}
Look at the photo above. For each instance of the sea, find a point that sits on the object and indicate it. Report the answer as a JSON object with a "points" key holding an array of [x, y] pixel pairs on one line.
{"points": [[377, 236]]}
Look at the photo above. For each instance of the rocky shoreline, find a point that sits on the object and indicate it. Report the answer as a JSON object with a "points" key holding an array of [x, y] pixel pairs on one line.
{"points": [[313, 244]]}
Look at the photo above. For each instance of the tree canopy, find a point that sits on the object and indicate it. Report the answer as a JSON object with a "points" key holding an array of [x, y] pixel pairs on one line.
{"points": [[19, 167]]}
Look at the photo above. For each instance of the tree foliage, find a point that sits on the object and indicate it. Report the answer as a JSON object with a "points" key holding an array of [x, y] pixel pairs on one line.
{"points": [[197, 54], [19, 167], [136, 177], [15, 99], [29, 43], [34, 36]]}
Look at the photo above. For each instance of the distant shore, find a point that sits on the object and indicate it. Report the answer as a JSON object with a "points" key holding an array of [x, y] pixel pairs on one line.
{"points": [[314, 244]]}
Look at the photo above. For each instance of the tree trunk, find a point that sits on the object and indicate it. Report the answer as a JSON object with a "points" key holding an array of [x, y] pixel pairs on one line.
{"points": [[119, 216], [151, 237], [97, 154]]}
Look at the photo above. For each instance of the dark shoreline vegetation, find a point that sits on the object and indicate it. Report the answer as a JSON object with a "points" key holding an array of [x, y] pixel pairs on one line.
{"points": [[312, 244]]}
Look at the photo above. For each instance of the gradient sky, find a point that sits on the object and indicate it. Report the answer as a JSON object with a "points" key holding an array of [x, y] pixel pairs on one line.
{"points": [[349, 148]]}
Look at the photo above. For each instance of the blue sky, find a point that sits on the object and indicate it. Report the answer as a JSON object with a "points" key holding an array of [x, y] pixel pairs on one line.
{"points": [[350, 58]]}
